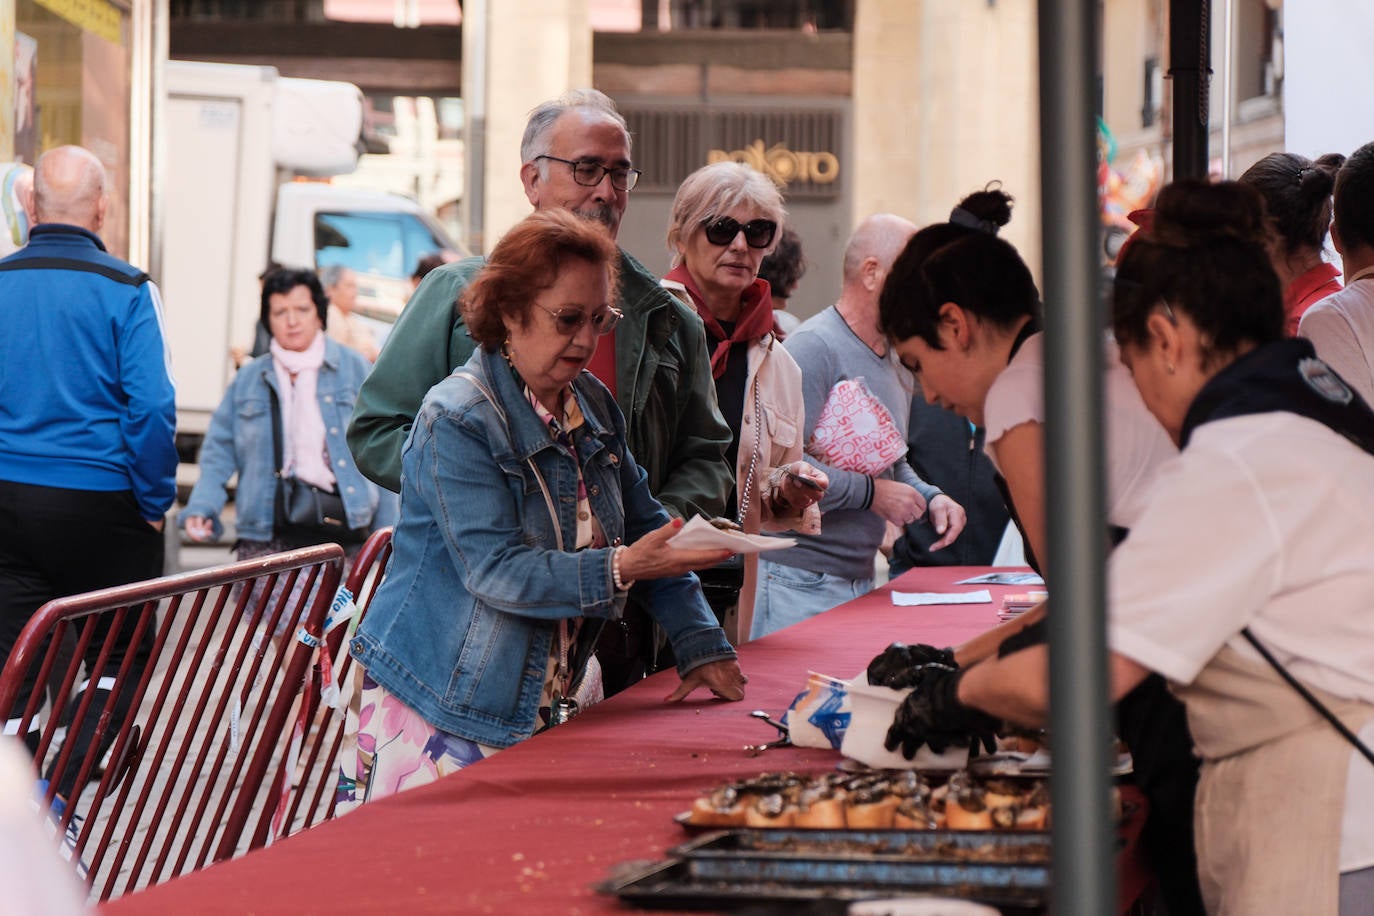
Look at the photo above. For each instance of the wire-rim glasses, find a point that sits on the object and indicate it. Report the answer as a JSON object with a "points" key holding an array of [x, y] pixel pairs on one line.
{"points": [[569, 321], [589, 172]]}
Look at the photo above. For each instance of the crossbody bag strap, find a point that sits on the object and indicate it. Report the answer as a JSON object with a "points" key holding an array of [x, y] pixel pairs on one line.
{"points": [[543, 487], [276, 430], [1307, 695], [278, 509]]}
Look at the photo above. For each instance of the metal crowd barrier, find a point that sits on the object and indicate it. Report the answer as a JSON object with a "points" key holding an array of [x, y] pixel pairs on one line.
{"points": [[168, 764]]}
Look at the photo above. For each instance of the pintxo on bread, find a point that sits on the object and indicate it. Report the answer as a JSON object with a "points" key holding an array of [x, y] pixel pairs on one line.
{"points": [[876, 800]]}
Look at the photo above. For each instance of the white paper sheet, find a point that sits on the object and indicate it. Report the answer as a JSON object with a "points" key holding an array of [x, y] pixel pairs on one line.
{"points": [[915, 599], [699, 534]]}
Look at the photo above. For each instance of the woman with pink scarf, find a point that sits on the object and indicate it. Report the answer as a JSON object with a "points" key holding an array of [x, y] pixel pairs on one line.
{"points": [[286, 412]]}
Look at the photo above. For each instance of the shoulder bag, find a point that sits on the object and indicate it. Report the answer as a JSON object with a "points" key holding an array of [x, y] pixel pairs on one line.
{"points": [[303, 513]]}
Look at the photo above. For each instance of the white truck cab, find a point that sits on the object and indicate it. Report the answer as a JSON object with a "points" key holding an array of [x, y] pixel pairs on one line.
{"points": [[379, 236]]}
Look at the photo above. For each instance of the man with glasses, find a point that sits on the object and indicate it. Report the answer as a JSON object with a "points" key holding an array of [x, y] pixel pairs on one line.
{"points": [[845, 342], [576, 155]]}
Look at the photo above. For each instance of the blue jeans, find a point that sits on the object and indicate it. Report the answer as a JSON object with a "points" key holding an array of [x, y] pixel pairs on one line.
{"points": [[786, 595]]}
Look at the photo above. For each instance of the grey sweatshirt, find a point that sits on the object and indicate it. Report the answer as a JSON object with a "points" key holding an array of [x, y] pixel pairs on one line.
{"points": [[829, 352]]}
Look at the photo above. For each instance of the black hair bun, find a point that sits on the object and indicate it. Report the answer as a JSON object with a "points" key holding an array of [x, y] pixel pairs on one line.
{"points": [[1318, 180], [991, 205], [1192, 213]]}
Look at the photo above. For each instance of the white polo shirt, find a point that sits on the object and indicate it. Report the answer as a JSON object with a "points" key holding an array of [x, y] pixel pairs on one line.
{"points": [[1341, 327], [1266, 521], [1136, 444]]}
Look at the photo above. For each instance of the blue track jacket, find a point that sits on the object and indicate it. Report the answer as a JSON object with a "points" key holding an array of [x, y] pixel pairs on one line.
{"points": [[86, 396]]}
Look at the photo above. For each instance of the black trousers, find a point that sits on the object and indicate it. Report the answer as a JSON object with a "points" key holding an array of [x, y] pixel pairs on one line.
{"points": [[56, 542]]}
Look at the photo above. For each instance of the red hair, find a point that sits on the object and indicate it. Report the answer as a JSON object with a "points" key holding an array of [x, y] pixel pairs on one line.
{"points": [[526, 261]]}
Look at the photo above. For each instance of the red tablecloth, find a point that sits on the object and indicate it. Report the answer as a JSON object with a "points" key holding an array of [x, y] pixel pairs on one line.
{"points": [[530, 829]]}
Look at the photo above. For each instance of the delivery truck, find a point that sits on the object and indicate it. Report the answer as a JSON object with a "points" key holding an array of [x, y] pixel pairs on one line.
{"points": [[249, 154]]}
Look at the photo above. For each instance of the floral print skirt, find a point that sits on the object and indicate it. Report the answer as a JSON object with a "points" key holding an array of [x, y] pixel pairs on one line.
{"points": [[388, 747], [396, 749]]}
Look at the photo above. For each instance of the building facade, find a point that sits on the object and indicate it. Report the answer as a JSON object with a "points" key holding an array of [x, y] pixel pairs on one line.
{"points": [[82, 73]]}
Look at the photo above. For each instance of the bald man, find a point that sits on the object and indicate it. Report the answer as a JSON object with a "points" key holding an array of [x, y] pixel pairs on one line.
{"points": [[843, 342], [87, 462]]}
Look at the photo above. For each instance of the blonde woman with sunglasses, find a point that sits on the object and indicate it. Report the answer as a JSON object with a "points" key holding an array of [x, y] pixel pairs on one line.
{"points": [[726, 218]]}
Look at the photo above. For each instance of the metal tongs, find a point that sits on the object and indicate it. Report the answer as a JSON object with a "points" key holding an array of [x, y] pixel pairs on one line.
{"points": [[785, 741]]}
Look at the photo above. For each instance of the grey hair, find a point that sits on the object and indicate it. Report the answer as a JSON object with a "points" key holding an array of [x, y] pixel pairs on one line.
{"points": [[68, 185], [332, 274], [715, 189], [592, 102]]}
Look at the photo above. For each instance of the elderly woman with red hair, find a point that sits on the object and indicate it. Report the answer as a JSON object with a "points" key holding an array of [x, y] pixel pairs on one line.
{"points": [[524, 523]]}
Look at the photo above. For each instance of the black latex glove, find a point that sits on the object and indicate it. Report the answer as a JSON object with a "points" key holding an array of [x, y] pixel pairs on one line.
{"points": [[1032, 635], [899, 665], [932, 715]]}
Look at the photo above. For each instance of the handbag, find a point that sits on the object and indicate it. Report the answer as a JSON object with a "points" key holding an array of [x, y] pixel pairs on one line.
{"points": [[303, 513]]}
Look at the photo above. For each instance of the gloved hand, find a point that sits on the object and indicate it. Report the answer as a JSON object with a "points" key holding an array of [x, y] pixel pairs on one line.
{"points": [[899, 665], [932, 715]]}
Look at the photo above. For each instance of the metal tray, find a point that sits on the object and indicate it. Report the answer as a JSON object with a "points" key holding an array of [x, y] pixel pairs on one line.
{"points": [[676, 884], [962, 847]]}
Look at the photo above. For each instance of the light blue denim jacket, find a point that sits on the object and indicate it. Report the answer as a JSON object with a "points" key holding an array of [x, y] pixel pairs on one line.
{"points": [[240, 440], [462, 628]]}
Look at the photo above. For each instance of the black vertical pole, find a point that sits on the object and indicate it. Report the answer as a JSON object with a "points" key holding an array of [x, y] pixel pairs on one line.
{"points": [[1190, 70], [1080, 726]]}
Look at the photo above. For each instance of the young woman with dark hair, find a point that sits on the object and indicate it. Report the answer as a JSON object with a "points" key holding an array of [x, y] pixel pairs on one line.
{"points": [[1297, 196]]}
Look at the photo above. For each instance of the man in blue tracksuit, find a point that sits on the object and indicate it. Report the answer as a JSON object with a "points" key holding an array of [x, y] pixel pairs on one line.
{"points": [[87, 416]]}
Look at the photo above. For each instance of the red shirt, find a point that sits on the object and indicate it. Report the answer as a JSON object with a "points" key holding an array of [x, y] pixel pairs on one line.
{"points": [[603, 361], [1307, 290]]}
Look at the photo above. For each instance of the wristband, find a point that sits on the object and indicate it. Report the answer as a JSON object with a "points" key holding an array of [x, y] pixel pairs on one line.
{"points": [[620, 584]]}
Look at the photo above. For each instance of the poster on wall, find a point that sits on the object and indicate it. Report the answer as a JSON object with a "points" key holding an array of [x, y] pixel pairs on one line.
{"points": [[6, 90], [25, 103]]}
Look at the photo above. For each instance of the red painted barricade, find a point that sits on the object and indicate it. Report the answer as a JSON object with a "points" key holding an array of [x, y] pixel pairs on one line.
{"points": [[165, 763]]}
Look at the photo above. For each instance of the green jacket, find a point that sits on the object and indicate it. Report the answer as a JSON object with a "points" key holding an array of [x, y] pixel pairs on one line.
{"points": [[663, 386]]}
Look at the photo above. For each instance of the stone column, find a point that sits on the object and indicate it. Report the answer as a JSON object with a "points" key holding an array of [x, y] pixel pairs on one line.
{"points": [[516, 54], [945, 100]]}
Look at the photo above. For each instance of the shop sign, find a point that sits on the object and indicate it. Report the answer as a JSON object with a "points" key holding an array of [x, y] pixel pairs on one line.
{"points": [[782, 164], [99, 17]]}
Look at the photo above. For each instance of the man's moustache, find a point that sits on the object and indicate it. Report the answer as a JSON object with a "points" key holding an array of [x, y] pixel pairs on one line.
{"points": [[599, 214]]}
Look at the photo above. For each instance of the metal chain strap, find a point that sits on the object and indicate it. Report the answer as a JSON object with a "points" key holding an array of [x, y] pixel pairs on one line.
{"points": [[743, 494]]}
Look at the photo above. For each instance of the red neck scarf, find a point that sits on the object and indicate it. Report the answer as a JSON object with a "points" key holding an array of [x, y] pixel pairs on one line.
{"points": [[755, 316]]}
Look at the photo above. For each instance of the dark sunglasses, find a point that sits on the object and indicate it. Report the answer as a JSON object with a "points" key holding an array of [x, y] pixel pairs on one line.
{"points": [[721, 230]]}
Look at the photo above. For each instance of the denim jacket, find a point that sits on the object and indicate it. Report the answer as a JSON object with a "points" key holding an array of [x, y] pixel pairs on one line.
{"points": [[240, 440], [462, 628]]}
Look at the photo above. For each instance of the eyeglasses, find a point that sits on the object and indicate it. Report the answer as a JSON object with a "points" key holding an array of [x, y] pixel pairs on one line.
{"points": [[721, 230], [589, 172], [569, 321]]}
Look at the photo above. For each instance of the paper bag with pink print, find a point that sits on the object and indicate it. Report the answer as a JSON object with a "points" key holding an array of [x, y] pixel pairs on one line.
{"points": [[855, 432]]}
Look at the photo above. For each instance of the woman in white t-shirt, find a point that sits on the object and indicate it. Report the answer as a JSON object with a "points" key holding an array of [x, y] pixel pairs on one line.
{"points": [[1256, 541], [963, 312]]}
